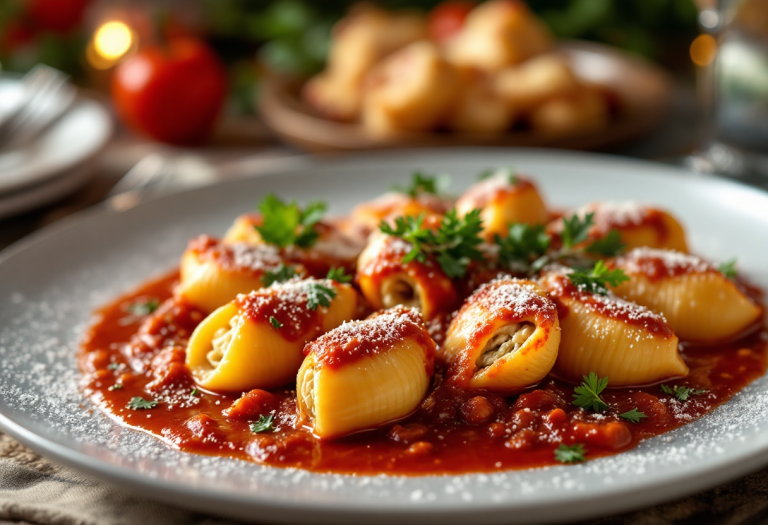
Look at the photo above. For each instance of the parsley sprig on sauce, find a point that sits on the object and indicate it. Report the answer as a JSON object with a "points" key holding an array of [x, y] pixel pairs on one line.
{"points": [[682, 393], [570, 454], [319, 295], [633, 416], [286, 224], [143, 307], [281, 274], [598, 278], [587, 394], [139, 403], [453, 245], [264, 424], [339, 275]]}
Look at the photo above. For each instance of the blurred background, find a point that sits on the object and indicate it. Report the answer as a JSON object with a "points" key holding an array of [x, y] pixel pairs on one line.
{"points": [[100, 98]]}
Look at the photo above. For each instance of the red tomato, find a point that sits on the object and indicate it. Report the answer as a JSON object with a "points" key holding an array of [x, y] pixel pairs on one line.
{"points": [[59, 16], [172, 93], [447, 18]]}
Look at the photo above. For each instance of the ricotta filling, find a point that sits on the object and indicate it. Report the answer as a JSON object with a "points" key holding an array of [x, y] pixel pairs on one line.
{"points": [[507, 340], [308, 391], [400, 291], [222, 338]]}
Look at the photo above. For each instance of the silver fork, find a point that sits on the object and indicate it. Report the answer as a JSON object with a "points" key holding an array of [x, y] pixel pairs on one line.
{"points": [[46, 97]]}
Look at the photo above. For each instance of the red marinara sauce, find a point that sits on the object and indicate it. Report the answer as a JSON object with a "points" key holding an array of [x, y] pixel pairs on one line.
{"points": [[453, 431]]}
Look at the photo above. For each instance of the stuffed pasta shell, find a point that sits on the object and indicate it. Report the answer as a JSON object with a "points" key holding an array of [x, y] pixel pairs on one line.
{"points": [[611, 337], [365, 373], [699, 302], [386, 281], [213, 273], [256, 341], [638, 224], [368, 215], [504, 198], [504, 338], [333, 248]]}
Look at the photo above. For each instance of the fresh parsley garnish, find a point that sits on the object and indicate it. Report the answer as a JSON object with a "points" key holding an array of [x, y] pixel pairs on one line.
{"points": [[576, 229], [728, 268], [319, 295], [139, 403], [453, 244], [264, 424], [587, 394], [421, 183], [281, 274], [113, 366], [339, 275], [633, 416], [597, 279], [143, 308], [116, 386], [509, 172], [523, 246], [608, 246], [286, 224], [277, 325], [682, 393], [194, 392], [573, 454]]}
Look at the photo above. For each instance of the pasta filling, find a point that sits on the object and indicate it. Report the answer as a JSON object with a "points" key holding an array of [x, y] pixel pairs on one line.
{"points": [[308, 391], [507, 340], [222, 338], [400, 291]]}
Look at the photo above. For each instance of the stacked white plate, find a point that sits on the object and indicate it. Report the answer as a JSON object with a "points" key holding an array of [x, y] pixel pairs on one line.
{"points": [[58, 161]]}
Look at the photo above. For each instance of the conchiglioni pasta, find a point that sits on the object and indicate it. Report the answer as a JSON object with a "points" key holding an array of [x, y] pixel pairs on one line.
{"points": [[386, 281], [699, 302], [504, 199], [365, 373], [213, 273], [625, 342], [368, 215], [638, 224], [504, 338], [256, 341]]}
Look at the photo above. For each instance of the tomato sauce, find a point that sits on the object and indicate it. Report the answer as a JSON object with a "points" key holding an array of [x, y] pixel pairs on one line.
{"points": [[453, 431]]}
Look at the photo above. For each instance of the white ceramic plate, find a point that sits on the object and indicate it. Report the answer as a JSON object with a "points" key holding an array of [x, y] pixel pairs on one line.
{"points": [[72, 140], [53, 280]]}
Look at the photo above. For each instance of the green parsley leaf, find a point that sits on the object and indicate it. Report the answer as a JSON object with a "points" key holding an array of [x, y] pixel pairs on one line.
{"points": [[682, 393], [113, 366], [576, 229], [453, 244], [422, 183], [508, 172], [143, 308], [339, 275], [728, 268], [608, 246], [319, 295], [275, 323], [524, 246], [281, 274], [285, 224], [598, 278], [633, 416], [264, 424], [587, 394], [116, 386], [139, 403], [194, 392], [573, 454]]}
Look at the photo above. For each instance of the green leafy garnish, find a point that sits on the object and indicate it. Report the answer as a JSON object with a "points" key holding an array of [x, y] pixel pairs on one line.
{"points": [[524, 245], [275, 323], [421, 183], [286, 224], [143, 308], [264, 424], [281, 274], [139, 403], [116, 386], [633, 416], [339, 275], [573, 454], [598, 278], [194, 392], [453, 245], [576, 229], [608, 246], [587, 394], [319, 295], [728, 268], [682, 393], [113, 366], [509, 173]]}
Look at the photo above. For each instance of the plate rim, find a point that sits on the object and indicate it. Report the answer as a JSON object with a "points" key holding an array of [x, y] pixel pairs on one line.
{"points": [[723, 469]]}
